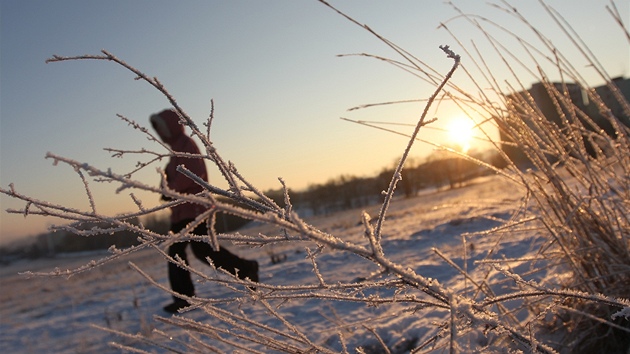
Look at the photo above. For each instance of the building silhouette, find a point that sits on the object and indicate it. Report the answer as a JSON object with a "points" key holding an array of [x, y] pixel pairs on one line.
{"points": [[560, 104]]}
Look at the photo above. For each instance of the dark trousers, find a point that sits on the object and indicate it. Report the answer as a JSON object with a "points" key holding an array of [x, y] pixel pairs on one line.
{"points": [[180, 279]]}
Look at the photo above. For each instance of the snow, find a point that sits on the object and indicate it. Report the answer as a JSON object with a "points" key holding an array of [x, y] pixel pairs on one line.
{"points": [[57, 315]]}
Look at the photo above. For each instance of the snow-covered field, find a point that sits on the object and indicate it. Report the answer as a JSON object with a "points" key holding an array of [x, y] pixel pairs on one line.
{"points": [[55, 315]]}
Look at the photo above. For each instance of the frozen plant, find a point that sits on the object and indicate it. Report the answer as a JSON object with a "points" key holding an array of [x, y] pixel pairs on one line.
{"points": [[591, 212]]}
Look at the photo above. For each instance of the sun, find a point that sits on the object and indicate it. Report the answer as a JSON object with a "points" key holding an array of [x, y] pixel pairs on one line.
{"points": [[460, 133]]}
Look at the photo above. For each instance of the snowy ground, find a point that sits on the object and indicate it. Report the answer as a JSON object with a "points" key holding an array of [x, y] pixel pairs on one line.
{"points": [[55, 315]]}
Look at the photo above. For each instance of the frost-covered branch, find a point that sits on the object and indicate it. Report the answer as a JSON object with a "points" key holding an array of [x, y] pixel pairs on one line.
{"points": [[585, 223], [398, 171]]}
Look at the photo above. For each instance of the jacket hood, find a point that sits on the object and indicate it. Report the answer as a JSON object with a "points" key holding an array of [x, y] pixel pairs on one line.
{"points": [[167, 124]]}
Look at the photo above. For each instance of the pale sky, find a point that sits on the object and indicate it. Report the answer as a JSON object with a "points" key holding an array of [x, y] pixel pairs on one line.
{"points": [[270, 66]]}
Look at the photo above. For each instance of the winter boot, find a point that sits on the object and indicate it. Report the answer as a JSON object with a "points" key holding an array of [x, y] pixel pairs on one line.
{"points": [[177, 305], [250, 272]]}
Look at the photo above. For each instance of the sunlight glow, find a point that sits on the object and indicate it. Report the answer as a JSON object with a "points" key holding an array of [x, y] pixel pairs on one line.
{"points": [[460, 133]]}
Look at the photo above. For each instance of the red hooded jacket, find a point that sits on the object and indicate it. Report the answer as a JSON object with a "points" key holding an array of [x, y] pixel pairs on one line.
{"points": [[172, 132]]}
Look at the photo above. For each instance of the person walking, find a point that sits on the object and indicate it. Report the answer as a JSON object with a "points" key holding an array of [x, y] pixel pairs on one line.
{"points": [[171, 131]]}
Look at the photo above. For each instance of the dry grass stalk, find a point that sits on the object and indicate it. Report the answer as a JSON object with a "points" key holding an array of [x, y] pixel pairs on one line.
{"points": [[585, 218]]}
